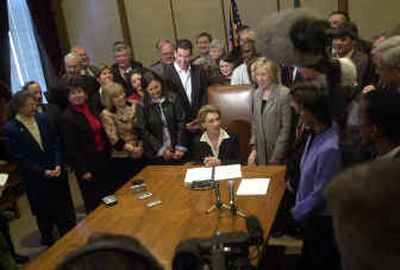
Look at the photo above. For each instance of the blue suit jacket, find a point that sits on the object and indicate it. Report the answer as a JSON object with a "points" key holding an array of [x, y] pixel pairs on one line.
{"points": [[32, 161]]}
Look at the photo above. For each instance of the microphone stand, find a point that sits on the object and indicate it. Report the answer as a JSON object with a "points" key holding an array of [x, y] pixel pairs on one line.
{"points": [[219, 205], [234, 209]]}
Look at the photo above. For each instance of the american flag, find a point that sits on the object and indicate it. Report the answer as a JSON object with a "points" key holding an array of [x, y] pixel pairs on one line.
{"points": [[234, 26]]}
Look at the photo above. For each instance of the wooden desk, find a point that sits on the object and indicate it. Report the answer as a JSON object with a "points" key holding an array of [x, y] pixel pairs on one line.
{"points": [[181, 214]]}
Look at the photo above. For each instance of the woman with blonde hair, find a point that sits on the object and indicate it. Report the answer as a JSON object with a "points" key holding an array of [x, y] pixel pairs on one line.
{"points": [[271, 115], [120, 124], [216, 146]]}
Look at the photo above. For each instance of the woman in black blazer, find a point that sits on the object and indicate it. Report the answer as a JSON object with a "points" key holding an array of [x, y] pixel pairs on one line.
{"points": [[32, 144], [161, 122], [86, 145], [215, 146]]}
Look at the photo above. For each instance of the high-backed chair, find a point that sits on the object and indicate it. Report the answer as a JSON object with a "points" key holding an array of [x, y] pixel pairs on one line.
{"points": [[235, 105]]}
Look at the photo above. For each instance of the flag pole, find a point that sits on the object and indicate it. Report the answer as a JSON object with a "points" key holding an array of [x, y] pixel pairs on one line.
{"points": [[225, 27], [172, 10]]}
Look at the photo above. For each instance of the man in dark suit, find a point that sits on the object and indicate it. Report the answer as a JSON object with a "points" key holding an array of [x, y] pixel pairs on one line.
{"points": [[124, 64], [52, 110], [344, 44], [73, 67], [166, 50], [189, 81], [379, 112]]}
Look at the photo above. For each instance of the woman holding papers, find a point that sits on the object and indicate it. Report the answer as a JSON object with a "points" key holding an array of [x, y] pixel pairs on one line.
{"points": [[216, 146], [270, 127], [161, 122], [32, 144]]}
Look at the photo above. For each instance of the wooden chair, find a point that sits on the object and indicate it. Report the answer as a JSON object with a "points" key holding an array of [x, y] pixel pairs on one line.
{"points": [[235, 105]]}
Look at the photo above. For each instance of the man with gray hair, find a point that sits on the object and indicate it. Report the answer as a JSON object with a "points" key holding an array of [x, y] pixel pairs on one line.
{"points": [[72, 64], [166, 50], [387, 59], [73, 68], [124, 65], [87, 68]]}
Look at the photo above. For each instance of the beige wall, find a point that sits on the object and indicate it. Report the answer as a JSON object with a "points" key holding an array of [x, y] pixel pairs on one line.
{"points": [[148, 20], [373, 16], [194, 17], [324, 7], [94, 24], [252, 11]]}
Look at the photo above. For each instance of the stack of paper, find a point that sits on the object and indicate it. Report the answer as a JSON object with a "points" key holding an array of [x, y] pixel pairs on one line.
{"points": [[253, 186], [198, 174], [221, 173], [228, 172]]}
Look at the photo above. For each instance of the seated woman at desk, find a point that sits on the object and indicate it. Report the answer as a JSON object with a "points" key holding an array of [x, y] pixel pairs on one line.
{"points": [[216, 146]]}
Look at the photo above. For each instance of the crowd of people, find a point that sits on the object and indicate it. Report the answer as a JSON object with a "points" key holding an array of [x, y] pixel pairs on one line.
{"points": [[108, 122]]}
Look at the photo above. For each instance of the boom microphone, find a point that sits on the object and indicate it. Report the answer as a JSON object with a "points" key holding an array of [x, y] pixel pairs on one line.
{"points": [[296, 37]]}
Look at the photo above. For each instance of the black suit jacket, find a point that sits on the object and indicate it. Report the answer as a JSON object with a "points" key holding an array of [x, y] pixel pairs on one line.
{"points": [[365, 68], [199, 89], [150, 125], [79, 142], [119, 79], [53, 112], [229, 151]]}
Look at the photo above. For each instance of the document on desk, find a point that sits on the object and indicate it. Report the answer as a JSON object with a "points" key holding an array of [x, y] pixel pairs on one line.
{"points": [[228, 172], [198, 174], [253, 186], [221, 173]]}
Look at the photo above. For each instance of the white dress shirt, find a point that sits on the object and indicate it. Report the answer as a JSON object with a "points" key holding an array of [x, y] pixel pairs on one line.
{"points": [[240, 75], [186, 80]]}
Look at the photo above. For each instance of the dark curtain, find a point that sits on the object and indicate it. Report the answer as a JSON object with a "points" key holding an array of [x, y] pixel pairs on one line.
{"points": [[4, 46], [47, 38]]}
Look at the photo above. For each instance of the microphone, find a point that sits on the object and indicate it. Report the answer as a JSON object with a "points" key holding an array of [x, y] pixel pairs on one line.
{"points": [[294, 37], [231, 190], [255, 231]]}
